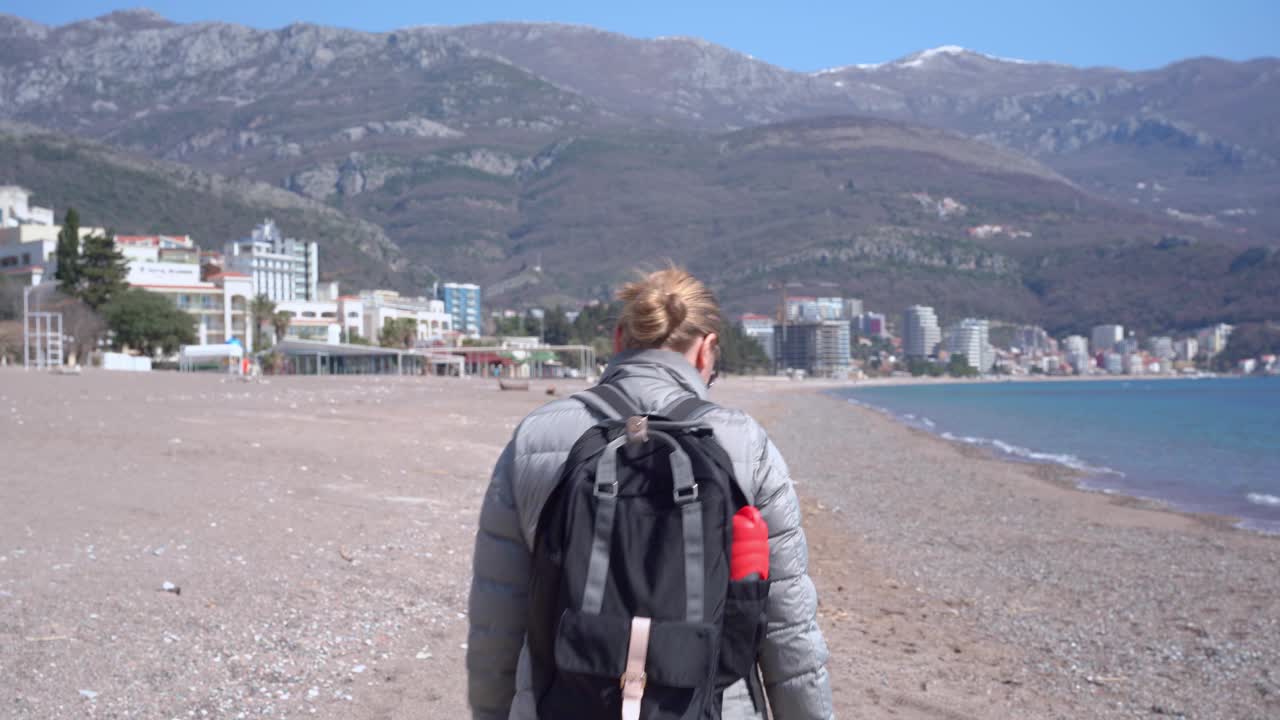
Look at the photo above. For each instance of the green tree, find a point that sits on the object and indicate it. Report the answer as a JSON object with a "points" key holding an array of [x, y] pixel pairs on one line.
{"points": [[68, 251], [741, 353], [262, 311], [557, 330], [398, 333], [280, 324], [147, 322], [509, 326], [101, 272], [958, 366], [355, 338]]}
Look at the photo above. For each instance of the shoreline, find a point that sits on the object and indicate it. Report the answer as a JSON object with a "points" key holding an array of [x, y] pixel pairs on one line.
{"points": [[1067, 470]]}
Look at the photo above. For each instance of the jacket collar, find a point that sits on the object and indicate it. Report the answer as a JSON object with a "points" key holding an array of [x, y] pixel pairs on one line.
{"points": [[653, 362]]}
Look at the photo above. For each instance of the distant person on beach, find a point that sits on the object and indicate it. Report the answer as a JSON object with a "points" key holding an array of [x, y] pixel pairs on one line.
{"points": [[667, 347]]}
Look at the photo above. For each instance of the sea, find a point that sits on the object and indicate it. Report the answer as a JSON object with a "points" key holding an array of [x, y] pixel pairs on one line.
{"points": [[1200, 445]]}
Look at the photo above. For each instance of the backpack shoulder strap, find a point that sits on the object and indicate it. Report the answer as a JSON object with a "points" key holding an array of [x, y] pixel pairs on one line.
{"points": [[608, 401], [687, 409]]}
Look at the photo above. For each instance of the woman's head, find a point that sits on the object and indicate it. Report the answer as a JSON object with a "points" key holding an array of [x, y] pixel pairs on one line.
{"points": [[670, 310]]}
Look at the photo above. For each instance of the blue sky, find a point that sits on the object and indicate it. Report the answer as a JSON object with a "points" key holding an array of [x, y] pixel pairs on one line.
{"points": [[803, 35]]}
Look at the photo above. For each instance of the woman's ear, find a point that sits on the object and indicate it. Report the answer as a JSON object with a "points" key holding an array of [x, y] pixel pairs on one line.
{"points": [[617, 338], [707, 352]]}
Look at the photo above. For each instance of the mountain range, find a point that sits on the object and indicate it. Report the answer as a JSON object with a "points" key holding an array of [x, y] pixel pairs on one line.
{"points": [[546, 161]]}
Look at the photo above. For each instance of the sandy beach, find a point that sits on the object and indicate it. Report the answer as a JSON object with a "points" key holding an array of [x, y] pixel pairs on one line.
{"points": [[315, 535]]}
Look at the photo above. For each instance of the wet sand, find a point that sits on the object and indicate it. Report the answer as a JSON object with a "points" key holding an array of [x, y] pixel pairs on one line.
{"points": [[320, 531]]}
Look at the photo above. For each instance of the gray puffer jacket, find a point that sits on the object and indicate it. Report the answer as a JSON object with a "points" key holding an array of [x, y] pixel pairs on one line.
{"points": [[793, 659]]}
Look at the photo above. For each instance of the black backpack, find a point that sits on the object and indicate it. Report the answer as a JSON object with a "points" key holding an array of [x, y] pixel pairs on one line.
{"points": [[634, 541]]}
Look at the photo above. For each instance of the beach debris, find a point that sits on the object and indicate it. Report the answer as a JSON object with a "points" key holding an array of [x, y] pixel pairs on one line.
{"points": [[551, 389], [89, 694], [170, 588], [345, 555], [358, 669], [158, 551]]}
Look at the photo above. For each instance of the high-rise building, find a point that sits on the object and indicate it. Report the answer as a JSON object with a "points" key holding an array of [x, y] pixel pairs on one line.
{"points": [[920, 332], [1033, 339], [1105, 337], [281, 268], [462, 301], [1077, 351], [814, 309], [1187, 349], [1161, 346], [971, 338], [1213, 339], [852, 309], [760, 328], [819, 348]]}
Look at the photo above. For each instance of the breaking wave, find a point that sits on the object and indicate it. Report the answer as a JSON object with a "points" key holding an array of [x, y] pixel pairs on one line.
{"points": [[1021, 453], [1263, 499]]}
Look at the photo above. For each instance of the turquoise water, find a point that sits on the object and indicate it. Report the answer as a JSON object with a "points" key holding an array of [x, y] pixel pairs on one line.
{"points": [[1202, 445]]}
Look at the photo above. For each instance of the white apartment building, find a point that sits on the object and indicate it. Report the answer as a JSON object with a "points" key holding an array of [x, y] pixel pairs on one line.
{"points": [[920, 331], [282, 268], [1187, 349], [29, 237], [971, 338], [1105, 337], [1213, 339], [1076, 348], [16, 210], [378, 306], [170, 265]]}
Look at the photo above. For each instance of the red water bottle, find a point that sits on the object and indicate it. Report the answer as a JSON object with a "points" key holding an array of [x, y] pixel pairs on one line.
{"points": [[749, 555]]}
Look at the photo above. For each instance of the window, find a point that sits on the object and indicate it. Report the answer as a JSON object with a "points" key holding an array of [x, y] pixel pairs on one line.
{"points": [[328, 315], [353, 314], [308, 314]]}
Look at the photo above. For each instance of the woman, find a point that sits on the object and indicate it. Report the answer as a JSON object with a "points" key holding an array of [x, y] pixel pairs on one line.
{"points": [[666, 344]]}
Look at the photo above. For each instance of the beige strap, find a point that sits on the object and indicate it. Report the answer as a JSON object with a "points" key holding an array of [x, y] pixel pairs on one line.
{"points": [[633, 678]]}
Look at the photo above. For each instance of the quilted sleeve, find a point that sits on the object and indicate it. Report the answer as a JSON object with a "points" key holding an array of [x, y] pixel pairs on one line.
{"points": [[794, 656], [499, 597]]}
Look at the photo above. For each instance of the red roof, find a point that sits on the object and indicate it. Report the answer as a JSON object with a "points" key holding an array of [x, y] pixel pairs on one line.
{"points": [[215, 276]]}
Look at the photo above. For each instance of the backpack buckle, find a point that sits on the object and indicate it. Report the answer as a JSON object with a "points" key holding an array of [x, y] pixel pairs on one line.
{"points": [[638, 429], [686, 495], [606, 489], [642, 678]]}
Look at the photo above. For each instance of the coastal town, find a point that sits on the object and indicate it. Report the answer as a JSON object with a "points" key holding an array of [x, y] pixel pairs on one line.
{"points": [[263, 292]]}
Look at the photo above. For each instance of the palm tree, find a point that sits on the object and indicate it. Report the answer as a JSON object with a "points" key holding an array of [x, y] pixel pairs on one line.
{"points": [[280, 324], [263, 311]]}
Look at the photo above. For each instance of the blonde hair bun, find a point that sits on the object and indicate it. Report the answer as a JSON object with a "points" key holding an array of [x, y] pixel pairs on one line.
{"points": [[667, 309]]}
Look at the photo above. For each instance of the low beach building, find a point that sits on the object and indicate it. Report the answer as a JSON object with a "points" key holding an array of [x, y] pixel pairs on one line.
{"points": [[434, 321]]}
